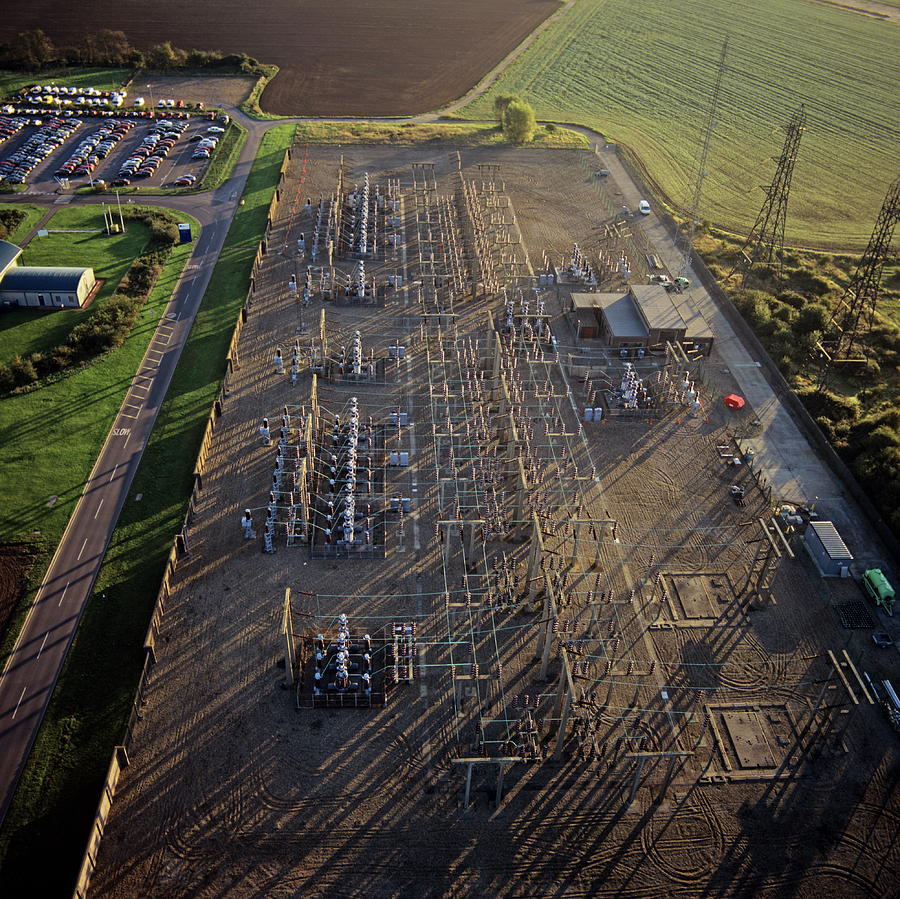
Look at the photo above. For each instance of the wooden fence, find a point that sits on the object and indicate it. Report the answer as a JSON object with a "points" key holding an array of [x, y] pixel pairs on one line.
{"points": [[180, 549]]}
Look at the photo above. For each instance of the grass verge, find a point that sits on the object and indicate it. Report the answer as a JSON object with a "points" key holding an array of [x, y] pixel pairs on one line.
{"points": [[469, 134], [58, 793], [251, 106], [103, 79], [226, 153], [32, 217]]}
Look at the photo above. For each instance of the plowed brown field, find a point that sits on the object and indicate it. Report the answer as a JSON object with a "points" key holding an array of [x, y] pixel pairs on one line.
{"points": [[354, 57]]}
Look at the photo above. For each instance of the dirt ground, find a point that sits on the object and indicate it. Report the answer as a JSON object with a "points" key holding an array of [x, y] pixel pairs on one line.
{"points": [[354, 57], [15, 563], [209, 90], [234, 790]]}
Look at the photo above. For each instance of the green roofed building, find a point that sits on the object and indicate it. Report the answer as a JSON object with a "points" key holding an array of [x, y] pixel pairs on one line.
{"points": [[42, 286]]}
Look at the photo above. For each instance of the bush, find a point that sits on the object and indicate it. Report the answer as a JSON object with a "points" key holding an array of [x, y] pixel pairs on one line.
{"points": [[23, 371], [550, 127], [7, 381], [813, 317], [754, 306], [10, 219], [832, 405], [792, 298], [519, 123], [501, 102], [808, 282]]}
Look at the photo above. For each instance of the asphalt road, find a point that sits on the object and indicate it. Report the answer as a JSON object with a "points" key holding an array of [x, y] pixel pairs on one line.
{"points": [[33, 668]]}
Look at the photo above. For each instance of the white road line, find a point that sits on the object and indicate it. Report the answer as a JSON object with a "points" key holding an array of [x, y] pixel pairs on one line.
{"points": [[98, 509], [20, 700], [129, 434], [113, 473], [80, 551], [43, 645], [63, 595]]}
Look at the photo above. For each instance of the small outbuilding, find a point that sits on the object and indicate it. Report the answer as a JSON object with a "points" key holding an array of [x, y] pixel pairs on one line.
{"points": [[827, 549], [643, 317], [42, 286]]}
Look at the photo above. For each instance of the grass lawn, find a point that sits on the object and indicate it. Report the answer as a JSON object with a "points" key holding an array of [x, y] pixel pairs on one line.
{"points": [[643, 75], [407, 134], [26, 330], [224, 156], [103, 79], [60, 787], [32, 217]]}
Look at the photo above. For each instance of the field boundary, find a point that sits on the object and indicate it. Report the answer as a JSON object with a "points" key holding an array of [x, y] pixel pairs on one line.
{"points": [[776, 380], [180, 550]]}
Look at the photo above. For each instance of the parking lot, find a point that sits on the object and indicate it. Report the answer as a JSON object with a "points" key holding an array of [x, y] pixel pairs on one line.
{"points": [[133, 139]]}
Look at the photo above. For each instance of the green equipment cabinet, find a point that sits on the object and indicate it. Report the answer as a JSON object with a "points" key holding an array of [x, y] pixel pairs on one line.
{"points": [[879, 589]]}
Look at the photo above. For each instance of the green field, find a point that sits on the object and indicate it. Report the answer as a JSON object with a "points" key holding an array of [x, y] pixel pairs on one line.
{"points": [[103, 79], [24, 331], [409, 133], [32, 217], [643, 75], [50, 437], [60, 787]]}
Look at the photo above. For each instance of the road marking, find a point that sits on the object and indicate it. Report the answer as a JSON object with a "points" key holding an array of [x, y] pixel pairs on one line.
{"points": [[129, 436], [43, 645], [80, 551], [20, 700], [113, 473], [98, 509], [63, 595]]}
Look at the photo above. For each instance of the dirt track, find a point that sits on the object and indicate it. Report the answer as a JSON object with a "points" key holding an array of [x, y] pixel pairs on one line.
{"points": [[15, 563], [394, 57], [233, 791]]}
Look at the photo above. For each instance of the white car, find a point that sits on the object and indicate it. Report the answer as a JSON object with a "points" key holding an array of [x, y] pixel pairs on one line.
{"points": [[644, 207]]}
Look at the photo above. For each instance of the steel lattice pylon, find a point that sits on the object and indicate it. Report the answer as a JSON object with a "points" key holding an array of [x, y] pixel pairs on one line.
{"points": [[686, 240], [765, 243], [854, 314]]}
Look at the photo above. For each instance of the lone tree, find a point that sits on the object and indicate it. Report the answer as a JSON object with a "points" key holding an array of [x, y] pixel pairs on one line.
{"points": [[501, 102], [518, 122]]}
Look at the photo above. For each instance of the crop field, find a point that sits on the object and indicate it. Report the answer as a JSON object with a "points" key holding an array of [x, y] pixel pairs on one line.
{"points": [[349, 58], [643, 75]]}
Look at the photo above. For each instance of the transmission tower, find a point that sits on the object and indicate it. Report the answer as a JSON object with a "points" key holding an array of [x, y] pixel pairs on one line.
{"points": [[693, 210], [765, 243], [854, 314]]}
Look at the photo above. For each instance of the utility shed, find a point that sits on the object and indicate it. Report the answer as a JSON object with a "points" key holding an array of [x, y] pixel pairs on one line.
{"points": [[827, 548], [9, 253], [646, 315], [47, 286]]}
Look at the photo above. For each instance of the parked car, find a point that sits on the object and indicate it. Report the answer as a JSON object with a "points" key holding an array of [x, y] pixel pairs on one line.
{"points": [[644, 207]]}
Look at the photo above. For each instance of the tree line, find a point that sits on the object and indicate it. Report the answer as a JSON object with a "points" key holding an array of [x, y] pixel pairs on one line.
{"points": [[33, 51]]}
